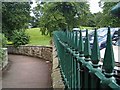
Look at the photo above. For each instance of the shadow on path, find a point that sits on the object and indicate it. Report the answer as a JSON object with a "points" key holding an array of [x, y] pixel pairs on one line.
{"points": [[27, 72]]}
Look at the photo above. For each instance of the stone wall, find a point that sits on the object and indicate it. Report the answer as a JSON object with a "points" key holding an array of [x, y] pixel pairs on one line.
{"points": [[44, 52], [4, 59]]}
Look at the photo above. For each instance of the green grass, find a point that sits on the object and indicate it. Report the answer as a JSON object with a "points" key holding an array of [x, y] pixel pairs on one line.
{"points": [[36, 38], [9, 43], [85, 27]]}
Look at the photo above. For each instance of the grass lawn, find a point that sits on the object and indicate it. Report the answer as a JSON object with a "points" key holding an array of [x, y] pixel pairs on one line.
{"points": [[85, 27], [36, 38]]}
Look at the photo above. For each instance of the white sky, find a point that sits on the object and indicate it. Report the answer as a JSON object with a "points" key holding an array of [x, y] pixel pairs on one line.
{"points": [[34, 4], [94, 6]]}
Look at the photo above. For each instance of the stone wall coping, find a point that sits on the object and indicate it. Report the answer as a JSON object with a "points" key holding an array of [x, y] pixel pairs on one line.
{"points": [[32, 46], [4, 48]]}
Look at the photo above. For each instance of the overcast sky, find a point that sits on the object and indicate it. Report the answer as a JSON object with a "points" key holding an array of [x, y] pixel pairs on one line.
{"points": [[94, 6]]}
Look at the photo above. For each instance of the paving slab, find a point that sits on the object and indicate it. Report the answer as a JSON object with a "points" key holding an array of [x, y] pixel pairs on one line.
{"points": [[27, 72]]}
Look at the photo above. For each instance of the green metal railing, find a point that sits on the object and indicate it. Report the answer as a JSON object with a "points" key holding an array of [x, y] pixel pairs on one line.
{"points": [[79, 65]]}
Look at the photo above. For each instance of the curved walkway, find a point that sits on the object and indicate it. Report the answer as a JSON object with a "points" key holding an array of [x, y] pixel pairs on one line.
{"points": [[27, 72]]}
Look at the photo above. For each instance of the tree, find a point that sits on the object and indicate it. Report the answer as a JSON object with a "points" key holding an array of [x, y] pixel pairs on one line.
{"points": [[98, 18], [34, 22], [62, 15], [37, 13], [15, 16], [107, 18], [90, 20]]}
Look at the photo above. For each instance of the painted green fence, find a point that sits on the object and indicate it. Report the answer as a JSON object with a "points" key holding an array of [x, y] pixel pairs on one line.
{"points": [[80, 66]]}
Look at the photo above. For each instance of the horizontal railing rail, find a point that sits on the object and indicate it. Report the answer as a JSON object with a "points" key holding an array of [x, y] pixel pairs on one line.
{"points": [[80, 66]]}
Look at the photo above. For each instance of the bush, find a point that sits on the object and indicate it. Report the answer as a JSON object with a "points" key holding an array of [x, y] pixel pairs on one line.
{"points": [[20, 38], [3, 40]]}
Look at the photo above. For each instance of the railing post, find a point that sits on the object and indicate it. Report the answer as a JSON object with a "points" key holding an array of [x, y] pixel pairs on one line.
{"points": [[81, 45], [69, 42], [86, 65], [96, 73], [108, 63], [73, 48], [73, 40], [80, 59], [71, 36], [76, 30], [77, 66], [72, 58]]}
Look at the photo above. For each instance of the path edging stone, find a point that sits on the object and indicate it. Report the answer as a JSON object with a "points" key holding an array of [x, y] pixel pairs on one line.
{"points": [[56, 75]]}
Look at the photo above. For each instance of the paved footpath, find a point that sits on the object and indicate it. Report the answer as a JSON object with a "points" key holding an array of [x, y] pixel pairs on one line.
{"points": [[27, 72]]}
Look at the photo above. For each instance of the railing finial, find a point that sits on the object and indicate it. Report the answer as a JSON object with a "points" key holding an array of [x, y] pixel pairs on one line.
{"points": [[95, 57], [87, 49], [76, 40], [108, 61], [81, 45], [71, 39]]}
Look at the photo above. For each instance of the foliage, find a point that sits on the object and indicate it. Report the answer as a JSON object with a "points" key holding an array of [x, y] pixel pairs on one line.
{"points": [[34, 22], [91, 20], [61, 15], [3, 40], [36, 38], [15, 16], [20, 38], [98, 17], [107, 18]]}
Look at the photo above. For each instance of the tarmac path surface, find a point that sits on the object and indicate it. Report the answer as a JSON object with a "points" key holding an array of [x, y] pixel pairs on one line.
{"points": [[27, 72]]}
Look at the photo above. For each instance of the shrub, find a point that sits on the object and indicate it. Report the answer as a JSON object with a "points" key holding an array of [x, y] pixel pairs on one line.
{"points": [[3, 40], [20, 38]]}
